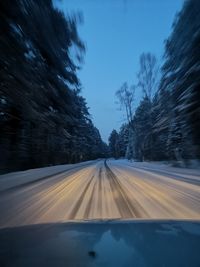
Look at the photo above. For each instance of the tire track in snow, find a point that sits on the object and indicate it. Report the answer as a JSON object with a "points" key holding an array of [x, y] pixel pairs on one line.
{"points": [[100, 187], [104, 190], [77, 205], [125, 205]]}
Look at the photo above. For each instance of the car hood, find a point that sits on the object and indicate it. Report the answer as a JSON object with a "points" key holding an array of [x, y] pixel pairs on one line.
{"points": [[102, 243]]}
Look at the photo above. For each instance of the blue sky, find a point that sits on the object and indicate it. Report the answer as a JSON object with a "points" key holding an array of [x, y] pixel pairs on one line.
{"points": [[116, 32]]}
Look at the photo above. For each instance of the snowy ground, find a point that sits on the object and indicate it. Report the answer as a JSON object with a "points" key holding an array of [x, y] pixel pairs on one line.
{"points": [[15, 179], [99, 190]]}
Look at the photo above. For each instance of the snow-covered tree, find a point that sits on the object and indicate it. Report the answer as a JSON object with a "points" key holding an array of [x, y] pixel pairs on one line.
{"points": [[43, 117]]}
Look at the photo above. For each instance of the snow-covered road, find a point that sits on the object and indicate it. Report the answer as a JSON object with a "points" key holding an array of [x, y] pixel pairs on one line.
{"points": [[99, 190]]}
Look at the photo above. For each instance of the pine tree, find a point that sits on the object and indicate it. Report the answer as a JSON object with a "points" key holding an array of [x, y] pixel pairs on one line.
{"points": [[114, 144]]}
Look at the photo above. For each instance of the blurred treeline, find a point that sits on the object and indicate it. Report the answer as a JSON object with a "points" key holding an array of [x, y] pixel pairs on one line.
{"points": [[166, 124], [43, 118]]}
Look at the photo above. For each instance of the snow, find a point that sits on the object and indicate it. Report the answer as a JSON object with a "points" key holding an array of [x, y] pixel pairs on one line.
{"points": [[64, 81], [165, 166], [14, 179], [16, 28], [29, 55], [115, 189], [3, 101]]}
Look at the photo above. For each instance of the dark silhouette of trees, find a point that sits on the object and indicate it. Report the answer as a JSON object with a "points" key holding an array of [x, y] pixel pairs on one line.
{"points": [[179, 91], [166, 122], [114, 144], [43, 118]]}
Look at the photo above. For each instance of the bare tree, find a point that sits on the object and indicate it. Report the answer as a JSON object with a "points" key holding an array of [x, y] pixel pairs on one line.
{"points": [[148, 74], [126, 96], [147, 81]]}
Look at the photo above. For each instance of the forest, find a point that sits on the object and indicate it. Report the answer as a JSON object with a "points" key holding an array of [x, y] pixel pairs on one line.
{"points": [[44, 120], [166, 123]]}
